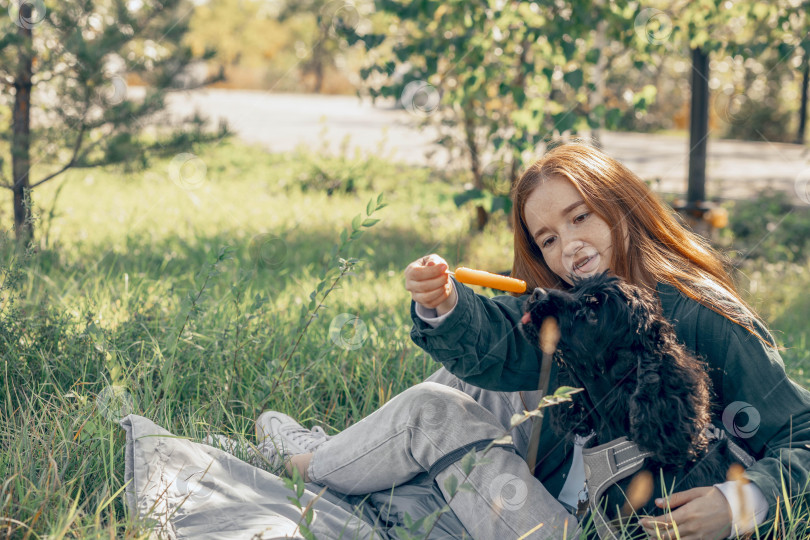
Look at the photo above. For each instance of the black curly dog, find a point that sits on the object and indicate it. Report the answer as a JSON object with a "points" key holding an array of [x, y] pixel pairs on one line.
{"points": [[638, 381]]}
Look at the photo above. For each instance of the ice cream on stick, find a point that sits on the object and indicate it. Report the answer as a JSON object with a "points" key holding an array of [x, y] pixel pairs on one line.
{"points": [[487, 279]]}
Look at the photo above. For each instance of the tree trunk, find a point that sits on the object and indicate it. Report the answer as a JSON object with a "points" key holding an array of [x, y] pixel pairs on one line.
{"points": [[597, 97], [318, 76], [698, 127], [318, 54], [20, 128], [481, 214], [803, 108]]}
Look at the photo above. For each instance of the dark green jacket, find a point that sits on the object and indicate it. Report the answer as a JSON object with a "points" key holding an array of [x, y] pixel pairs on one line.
{"points": [[479, 343]]}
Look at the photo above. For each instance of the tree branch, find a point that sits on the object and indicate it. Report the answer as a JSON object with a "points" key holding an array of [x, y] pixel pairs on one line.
{"points": [[69, 164]]}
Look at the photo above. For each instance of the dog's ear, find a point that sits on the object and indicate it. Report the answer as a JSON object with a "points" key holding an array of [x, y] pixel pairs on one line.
{"points": [[645, 315], [588, 309]]}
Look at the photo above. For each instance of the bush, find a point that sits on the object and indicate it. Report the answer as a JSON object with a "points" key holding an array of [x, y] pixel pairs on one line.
{"points": [[772, 227]]}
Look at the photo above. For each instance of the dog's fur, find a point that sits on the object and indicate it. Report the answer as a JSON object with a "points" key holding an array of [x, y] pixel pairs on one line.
{"points": [[638, 381]]}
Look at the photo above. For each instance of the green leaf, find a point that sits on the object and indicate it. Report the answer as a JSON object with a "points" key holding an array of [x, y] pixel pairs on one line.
{"points": [[612, 117], [407, 521], [370, 222], [574, 78], [565, 391], [416, 525], [468, 462], [431, 518], [500, 202], [569, 48], [299, 483], [467, 195], [517, 419], [564, 121], [370, 207], [357, 221], [506, 439], [306, 533], [451, 485], [403, 534]]}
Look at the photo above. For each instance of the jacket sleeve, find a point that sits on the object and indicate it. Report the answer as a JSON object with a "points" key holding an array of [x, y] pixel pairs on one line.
{"points": [[760, 406], [480, 343]]}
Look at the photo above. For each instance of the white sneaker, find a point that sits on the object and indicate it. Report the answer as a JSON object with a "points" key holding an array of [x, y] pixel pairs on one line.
{"points": [[280, 437]]}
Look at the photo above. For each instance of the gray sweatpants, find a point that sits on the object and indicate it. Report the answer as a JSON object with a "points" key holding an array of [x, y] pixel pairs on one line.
{"points": [[413, 431]]}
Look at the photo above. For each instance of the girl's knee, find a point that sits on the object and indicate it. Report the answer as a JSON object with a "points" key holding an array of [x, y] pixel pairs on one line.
{"points": [[432, 392], [434, 404]]}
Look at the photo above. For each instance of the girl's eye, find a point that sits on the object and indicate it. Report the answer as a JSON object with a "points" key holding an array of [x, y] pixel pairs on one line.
{"points": [[582, 217], [547, 242]]}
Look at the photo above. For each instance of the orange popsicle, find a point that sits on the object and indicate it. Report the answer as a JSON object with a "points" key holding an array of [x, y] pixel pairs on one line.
{"points": [[487, 279]]}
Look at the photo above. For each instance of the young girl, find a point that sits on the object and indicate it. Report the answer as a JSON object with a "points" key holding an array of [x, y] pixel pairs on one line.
{"points": [[577, 212]]}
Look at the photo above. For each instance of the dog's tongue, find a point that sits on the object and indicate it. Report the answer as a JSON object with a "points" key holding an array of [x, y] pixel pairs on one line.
{"points": [[526, 319]]}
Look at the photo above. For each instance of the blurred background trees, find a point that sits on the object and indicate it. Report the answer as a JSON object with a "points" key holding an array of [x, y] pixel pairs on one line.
{"points": [[497, 79], [494, 78], [65, 67], [757, 52]]}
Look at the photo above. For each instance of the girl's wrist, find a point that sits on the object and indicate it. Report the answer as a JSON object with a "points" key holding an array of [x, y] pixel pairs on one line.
{"points": [[449, 303]]}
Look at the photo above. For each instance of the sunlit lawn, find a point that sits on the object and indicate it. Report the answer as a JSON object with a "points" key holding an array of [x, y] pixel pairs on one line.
{"points": [[123, 297]]}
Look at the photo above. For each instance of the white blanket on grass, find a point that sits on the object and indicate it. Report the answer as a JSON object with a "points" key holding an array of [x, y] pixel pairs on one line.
{"points": [[183, 489]]}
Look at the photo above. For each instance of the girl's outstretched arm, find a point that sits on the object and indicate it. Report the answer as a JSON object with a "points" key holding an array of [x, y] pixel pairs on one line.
{"points": [[479, 342]]}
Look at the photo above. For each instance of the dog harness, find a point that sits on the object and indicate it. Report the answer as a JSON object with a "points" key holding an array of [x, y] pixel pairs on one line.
{"points": [[605, 465], [614, 461]]}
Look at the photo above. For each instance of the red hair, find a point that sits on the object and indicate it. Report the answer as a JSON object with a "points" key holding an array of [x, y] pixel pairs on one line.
{"points": [[660, 249]]}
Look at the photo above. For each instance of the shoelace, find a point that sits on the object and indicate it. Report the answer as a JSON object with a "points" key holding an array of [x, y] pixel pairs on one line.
{"points": [[307, 439]]}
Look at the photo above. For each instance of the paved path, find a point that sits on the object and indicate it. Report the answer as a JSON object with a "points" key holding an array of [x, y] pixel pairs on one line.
{"points": [[283, 121]]}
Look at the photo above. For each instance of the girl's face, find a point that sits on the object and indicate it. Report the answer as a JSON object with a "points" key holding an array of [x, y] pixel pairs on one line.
{"points": [[574, 241]]}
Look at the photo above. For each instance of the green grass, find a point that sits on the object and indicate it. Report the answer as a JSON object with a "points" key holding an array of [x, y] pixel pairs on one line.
{"points": [[109, 303]]}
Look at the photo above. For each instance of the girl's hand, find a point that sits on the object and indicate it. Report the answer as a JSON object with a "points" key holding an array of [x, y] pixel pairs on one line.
{"points": [[703, 512], [430, 285]]}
